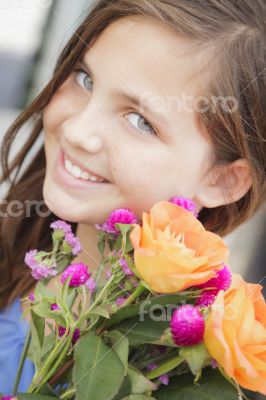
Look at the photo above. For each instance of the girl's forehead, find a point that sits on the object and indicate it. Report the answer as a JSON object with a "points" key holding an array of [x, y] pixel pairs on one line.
{"points": [[142, 56]]}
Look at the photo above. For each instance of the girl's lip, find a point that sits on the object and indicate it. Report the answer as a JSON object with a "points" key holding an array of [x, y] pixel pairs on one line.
{"points": [[68, 180], [82, 166]]}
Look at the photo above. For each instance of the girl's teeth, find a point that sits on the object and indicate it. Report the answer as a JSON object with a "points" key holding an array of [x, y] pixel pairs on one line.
{"points": [[85, 175], [78, 173]]}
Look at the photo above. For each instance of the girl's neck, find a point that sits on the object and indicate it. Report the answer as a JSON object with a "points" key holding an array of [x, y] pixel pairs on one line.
{"points": [[90, 255]]}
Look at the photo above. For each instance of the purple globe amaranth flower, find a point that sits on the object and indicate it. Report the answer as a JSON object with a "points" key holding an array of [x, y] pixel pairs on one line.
{"points": [[91, 285], [75, 337], [119, 216], [206, 299], [222, 281], [125, 268], [6, 398], [185, 203], [79, 274], [187, 326], [55, 307]]}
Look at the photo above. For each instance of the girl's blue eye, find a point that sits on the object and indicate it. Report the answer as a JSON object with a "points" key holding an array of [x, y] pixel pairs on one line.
{"points": [[140, 123], [84, 80]]}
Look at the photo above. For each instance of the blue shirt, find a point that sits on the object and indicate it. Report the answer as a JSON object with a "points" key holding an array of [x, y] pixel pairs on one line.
{"points": [[13, 331]]}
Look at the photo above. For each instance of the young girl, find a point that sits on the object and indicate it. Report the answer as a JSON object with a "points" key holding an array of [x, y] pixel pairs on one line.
{"points": [[149, 100]]}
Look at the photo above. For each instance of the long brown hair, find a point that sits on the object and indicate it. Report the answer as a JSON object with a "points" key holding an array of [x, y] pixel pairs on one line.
{"points": [[236, 31]]}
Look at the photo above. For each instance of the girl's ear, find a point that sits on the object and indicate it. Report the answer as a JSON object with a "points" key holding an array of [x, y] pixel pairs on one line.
{"points": [[230, 184]]}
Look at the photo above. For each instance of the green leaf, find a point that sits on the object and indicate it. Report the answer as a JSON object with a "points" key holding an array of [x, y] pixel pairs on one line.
{"points": [[33, 396], [44, 311], [101, 246], [124, 228], [138, 397], [212, 386], [197, 357], [143, 308], [98, 372], [139, 384], [42, 290], [37, 337], [99, 311], [120, 345], [140, 332], [48, 345]]}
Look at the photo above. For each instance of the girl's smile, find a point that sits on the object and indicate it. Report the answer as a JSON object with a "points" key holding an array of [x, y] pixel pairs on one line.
{"points": [[72, 175]]}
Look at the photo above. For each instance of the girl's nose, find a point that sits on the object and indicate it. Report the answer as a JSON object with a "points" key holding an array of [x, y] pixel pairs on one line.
{"points": [[85, 131]]}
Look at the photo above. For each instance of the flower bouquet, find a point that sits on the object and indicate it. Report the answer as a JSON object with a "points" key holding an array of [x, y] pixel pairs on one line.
{"points": [[162, 318]]}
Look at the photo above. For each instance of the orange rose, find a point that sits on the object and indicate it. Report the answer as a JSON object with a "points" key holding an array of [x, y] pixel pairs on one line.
{"points": [[235, 334], [173, 251]]}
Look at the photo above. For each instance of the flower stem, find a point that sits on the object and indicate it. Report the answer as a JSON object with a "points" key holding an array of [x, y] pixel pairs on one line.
{"points": [[53, 369], [138, 291], [68, 393], [165, 367], [21, 362], [97, 278]]}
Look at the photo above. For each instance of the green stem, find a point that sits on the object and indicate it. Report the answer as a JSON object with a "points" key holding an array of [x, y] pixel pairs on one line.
{"points": [[95, 303], [38, 376], [58, 362], [68, 393], [97, 278], [138, 291], [165, 367], [154, 360], [21, 362]]}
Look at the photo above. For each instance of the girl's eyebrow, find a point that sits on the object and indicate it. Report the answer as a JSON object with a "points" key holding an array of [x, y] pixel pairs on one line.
{"points": [[128, 96]]}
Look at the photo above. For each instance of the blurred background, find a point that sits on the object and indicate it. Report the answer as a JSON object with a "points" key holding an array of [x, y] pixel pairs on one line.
{"points": [[32, 34]]}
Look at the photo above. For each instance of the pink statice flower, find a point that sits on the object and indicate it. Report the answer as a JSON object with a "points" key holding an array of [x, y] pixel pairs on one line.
{"points": [[62, 225], [222, 281], [119, 216], [120, 301], [79, 274], [39, 270], [164, 379], [125, 268], [91, 285], [73, 242], [108, 273], [70, 238], [30, 258], [187, 326], [185, 203], [31, 297]]}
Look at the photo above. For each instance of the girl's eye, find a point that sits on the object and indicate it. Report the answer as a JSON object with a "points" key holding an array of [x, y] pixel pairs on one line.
{"points": [[140, 123], [83, 79]]}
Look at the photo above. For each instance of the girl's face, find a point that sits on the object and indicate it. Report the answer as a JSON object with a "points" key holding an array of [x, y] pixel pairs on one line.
{"points": [[146, 152]]}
